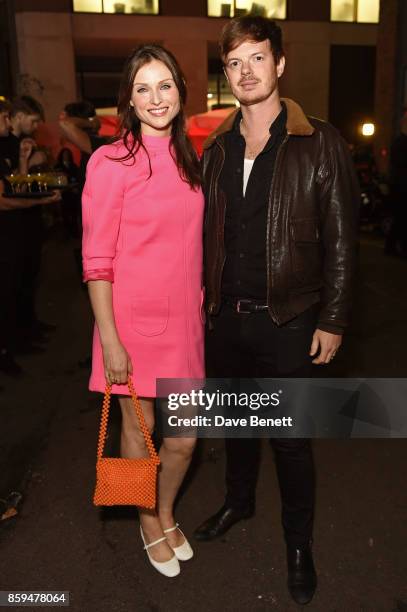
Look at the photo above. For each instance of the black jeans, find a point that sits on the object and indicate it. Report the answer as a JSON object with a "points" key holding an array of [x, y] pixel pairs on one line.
{"points": [[251, 345], [32, 234], [10, 274]]}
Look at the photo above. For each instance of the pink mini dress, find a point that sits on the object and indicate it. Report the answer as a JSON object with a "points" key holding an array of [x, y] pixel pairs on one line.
{"points": [[144, 235]]}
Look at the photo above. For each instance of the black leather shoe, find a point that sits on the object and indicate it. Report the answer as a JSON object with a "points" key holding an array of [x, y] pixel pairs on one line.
{"points": [[219, 523], [302, 578]]}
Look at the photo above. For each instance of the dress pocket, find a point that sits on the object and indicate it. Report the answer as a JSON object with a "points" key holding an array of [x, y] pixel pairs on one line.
{"points": [[149, 316]]}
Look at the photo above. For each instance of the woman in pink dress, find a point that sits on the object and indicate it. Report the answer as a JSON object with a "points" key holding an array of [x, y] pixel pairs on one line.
{"points": [[142, 260]]}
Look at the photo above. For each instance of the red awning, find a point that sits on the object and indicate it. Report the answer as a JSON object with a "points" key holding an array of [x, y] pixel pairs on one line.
{"points": [[200, 126]]}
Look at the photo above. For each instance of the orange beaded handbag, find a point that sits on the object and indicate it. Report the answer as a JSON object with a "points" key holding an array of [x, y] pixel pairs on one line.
{"points": [[124, 482]]}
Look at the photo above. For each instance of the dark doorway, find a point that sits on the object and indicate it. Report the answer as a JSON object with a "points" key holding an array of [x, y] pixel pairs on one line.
{"points": [[352, 87], [6, 81], [98, 79]]}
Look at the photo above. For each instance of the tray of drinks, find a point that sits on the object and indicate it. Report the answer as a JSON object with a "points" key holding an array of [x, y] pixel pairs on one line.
{"points": [[28, 195], [38, 185]]}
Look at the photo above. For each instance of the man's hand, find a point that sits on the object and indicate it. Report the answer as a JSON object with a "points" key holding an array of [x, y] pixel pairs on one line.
{"points": [[327, 344], [55, 196]]}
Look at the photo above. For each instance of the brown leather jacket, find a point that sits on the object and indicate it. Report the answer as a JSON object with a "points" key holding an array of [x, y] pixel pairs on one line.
{"points": [[311, 222]]}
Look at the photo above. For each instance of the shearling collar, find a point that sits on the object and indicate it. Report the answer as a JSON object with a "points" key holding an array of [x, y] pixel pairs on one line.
{"points": [[297, 123]]}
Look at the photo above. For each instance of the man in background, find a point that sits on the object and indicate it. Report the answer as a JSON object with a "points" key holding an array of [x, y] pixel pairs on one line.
{"points": [[26, 115], [396, 243], [14, 156], [80, 126]]}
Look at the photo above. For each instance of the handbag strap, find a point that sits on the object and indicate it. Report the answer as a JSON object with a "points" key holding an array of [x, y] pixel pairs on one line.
{"points": [[139, 411]]}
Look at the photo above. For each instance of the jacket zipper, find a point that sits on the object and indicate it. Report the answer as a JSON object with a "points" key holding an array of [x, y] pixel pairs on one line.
{"points": [[276, 168]]}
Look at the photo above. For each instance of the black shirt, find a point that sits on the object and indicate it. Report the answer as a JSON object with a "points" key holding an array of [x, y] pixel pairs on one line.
{"points": [[10, 220], [9, 153], [245, 271], [4, 167], [398, 166]]}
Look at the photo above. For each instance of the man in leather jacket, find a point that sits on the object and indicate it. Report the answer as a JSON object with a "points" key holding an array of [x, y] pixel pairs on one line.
{"points": [[280, 243]]}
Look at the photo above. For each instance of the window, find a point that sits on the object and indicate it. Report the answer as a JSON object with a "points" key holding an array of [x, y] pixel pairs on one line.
{"points": [[137, 7], [219, 93], [368, 11], [98, 78], [87, 6], [362, 11], [276, 9]]}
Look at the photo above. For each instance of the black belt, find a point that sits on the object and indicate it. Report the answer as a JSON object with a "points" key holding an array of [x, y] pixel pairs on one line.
{"points": [[244, 305]]}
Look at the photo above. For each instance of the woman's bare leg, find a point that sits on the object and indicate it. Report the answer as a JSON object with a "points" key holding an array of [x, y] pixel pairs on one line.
{"points": [[175, 455], [132, 445]]}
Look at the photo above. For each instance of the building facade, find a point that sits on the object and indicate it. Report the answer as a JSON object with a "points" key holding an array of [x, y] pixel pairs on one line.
{"points": [[72, 49]]}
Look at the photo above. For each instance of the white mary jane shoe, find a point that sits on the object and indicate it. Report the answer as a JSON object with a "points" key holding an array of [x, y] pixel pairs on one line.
{"points": [[183, 552], [168, 568]]}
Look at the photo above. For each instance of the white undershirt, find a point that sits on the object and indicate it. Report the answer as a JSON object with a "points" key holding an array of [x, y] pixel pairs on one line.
{"points": [[248, 165]]}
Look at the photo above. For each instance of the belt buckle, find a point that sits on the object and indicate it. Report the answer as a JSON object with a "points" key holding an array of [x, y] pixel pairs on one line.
{"points": [[239, 308]]}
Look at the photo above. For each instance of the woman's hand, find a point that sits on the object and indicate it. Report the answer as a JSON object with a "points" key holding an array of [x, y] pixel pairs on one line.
{"points": [[117, 363]]}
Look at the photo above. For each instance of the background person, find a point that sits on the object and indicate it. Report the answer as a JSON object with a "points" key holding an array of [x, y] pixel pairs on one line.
{"points": [[40, 161], [396, 242], [71, 198], [11, 239], [80, 126], [26, 115]]}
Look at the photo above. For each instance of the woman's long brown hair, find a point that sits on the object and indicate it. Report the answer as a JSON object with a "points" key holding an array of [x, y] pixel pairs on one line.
{"points": [[181, 148]]}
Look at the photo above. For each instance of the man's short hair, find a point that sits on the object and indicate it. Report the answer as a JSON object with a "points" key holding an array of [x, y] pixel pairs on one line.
{"points": [[28, 106], [82, 110], [240, 29], [5, 106]]}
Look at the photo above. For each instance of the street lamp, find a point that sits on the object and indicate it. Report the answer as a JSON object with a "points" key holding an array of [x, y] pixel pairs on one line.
{"points": [[368, 129]]}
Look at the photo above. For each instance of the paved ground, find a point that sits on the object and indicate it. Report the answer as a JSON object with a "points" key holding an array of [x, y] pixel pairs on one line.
{"points": [[61, 542]]}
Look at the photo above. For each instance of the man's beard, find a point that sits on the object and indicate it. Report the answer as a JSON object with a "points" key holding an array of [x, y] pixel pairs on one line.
{"points": [[254, 97]]}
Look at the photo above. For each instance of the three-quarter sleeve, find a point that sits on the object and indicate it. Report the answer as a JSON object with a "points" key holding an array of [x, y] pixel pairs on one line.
{"points": [[102, 203]]}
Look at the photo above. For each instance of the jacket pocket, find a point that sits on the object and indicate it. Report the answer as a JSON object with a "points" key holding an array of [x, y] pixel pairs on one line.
{"points": [[306, 249], [149, 316]]}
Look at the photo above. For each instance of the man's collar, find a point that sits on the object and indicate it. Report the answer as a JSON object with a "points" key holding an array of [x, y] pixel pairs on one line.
{"points": [[297, 123], [278, 124]]}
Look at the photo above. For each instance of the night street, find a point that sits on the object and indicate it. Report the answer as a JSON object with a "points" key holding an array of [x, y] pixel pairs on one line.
{"points": [[60, 541]]}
